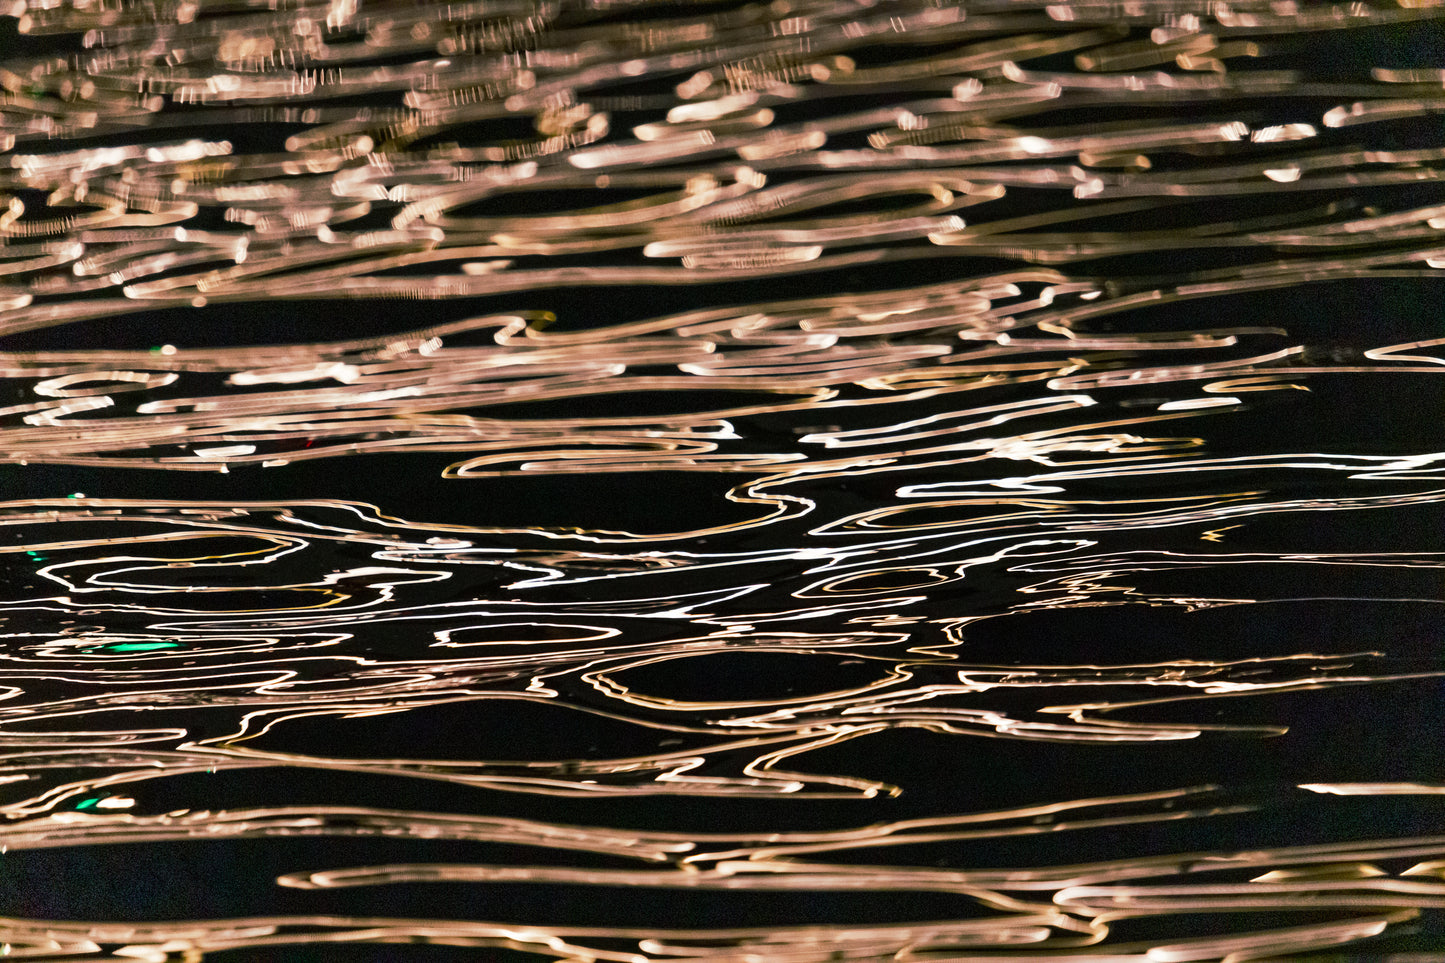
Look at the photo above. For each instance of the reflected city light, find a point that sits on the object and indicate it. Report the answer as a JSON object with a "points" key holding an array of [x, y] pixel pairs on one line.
{"points": [[430, 427]]}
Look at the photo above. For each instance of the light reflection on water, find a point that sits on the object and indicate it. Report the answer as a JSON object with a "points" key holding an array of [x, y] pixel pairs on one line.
{"points": [[792, 482]]}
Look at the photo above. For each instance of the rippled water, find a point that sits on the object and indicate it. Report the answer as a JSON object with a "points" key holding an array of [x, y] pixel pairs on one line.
{"points": [[640, 481]]}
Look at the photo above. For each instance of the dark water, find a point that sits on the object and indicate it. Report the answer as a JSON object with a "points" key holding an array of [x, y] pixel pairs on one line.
{"points": [[676, 482]]}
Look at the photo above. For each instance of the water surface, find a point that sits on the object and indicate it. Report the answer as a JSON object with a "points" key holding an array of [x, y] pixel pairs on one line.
{"points": [[651, 482]]}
